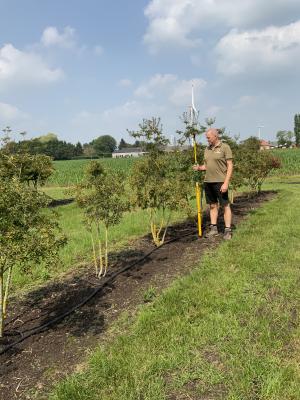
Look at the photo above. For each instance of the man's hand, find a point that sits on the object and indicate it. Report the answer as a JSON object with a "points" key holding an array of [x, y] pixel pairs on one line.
{"points": [[198, 167], [224, 187]]}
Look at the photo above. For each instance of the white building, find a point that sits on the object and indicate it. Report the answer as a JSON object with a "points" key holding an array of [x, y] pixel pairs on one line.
{"points": [[128, 152]]}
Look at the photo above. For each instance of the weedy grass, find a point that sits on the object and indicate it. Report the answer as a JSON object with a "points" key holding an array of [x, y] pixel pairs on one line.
{"points": [[229, 330]]}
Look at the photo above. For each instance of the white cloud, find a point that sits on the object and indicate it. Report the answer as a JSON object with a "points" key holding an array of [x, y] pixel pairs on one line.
{"points": [[125, 82], [52, 37], [168, 88], [182, 22], [98, 50], [18, 68], [181, 92], [274, 49], [10, 113], [162, 95], [212, 111], [244, 101], [155, 84]]}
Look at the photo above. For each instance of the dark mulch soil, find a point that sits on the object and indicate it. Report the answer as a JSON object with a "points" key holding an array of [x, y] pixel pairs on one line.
{"points": [[29, 369]]}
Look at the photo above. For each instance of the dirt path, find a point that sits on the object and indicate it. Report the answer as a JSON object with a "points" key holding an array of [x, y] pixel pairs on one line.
{"points": [[28, 370]]}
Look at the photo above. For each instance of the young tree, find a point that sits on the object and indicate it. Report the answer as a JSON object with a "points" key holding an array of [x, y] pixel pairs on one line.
{"points": [[285, 138], [151, 135], [28, 235], [105, 144], [161, 185], [102, 197], [35, 169], [253, 166]]}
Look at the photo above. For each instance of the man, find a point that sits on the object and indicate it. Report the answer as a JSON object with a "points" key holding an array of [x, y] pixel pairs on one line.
{"points": [[218, 166]]}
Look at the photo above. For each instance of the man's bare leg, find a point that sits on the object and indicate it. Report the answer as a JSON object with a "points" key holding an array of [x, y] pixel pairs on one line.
{"points": [[213, 211], [227, 216]]}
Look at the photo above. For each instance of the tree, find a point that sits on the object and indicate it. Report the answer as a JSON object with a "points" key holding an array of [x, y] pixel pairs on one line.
{"points": [[105, 144], [251, 144], [123, 144], [47, 138], [35, 169], [78, 149], [161, 184], [253, 166], [285, 138], [297, 129], [102, 197], [150, 131], [28, 235]]}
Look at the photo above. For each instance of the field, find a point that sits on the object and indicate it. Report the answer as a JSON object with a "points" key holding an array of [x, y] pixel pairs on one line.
{"points": [[70, 172], [290, 159], [194, 319]]}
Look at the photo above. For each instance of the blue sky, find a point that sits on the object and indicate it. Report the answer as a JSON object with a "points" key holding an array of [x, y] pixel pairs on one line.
{"points": [[82, 69]]}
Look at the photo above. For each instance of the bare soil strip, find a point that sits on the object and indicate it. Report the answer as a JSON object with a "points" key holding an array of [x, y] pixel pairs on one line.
{"points": [[29, 369]]}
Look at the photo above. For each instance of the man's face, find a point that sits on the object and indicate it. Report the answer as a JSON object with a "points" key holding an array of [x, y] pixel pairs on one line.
{"points": [[211, 137]]}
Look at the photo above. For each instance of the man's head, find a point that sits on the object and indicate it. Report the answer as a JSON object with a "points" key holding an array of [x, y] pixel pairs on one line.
{"points": [[212, 136]]}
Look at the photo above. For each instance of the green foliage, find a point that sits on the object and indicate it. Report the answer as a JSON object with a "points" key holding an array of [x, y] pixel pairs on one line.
{"points": [[28, 235], [102, 197], [70, 172], [285, 138], [290, 162], [253, 166], [251, 144], [105, 144], [47, 138], [151, 133], [191, 130], [161, 183], [35, 169]]}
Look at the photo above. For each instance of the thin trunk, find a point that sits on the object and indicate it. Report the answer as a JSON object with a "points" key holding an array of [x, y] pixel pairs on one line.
{"points": [[1, 302], [106, 250], [100, 252], [7, 286], [165, 231], [94, 254]]}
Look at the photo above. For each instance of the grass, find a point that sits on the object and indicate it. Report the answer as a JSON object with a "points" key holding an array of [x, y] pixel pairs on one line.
{"points": [[230, 330]]}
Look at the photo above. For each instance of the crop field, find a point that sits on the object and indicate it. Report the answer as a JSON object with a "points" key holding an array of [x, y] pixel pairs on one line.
{"points": [[71, 172], [290, 159]]}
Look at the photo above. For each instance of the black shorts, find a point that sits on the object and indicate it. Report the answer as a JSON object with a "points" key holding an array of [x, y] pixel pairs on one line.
{"points": [[213, 194]]}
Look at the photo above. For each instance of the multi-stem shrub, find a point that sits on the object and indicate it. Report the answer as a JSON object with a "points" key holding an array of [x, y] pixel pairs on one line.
{"points": [[28, 234], [102, 197], [253, 166], [161, 184]]}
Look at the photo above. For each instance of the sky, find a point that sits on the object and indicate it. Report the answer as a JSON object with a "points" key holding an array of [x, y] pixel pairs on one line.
{"points": [[82, 69]]}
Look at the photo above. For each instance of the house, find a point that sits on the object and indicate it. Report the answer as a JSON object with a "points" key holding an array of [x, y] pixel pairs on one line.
{"points": [[264, 145], [128, 152]]}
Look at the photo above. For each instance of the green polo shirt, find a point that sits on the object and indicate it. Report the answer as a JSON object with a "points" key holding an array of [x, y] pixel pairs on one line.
{"points": [[215, 160]]}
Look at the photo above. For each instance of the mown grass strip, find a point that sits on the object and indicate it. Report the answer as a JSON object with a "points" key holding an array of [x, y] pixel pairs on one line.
{"points": [[230, 330]]}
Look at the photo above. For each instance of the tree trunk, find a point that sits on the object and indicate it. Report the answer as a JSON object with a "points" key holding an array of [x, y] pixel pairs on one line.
{"points": [[7, 286], [1, 302]]}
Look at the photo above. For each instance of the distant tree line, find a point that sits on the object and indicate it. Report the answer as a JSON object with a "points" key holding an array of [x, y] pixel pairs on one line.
{"points": [[50, 145]]}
